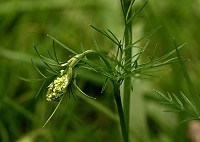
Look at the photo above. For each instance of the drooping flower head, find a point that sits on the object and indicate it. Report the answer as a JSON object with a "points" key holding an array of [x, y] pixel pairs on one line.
{"points": [[59, 86]]}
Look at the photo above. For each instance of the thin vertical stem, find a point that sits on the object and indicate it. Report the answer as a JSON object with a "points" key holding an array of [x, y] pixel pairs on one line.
{"points": [[120, 111], [128, 54]]}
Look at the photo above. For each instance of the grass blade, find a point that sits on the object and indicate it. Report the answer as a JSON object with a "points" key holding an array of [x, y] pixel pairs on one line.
{"points": [[192, 90], [83, 92], [106, 35], [61, 44], [147, 35], [41, 57], [54, 51], [53, 112], [38, 69]]}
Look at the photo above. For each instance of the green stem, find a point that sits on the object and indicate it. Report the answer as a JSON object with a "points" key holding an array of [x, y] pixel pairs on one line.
{"points": [[120, 111], [128, 55]]}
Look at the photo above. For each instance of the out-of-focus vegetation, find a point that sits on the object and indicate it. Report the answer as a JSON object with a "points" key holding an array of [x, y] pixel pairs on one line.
{"points": [[24, 23]]}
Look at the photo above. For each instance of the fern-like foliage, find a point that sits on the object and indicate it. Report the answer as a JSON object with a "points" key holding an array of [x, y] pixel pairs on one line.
{"points": [[180, 105], [190, 106]]}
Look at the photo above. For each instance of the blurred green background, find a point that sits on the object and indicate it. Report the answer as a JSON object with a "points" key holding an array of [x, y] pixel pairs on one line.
{"points": [[26, 22]]}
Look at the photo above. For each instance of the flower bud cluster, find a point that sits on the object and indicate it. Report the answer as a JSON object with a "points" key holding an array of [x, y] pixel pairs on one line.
{"points": [[58, 87]]}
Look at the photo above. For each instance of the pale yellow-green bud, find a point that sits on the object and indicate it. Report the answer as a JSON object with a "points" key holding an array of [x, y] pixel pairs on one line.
{"points": [[58, 87]]}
